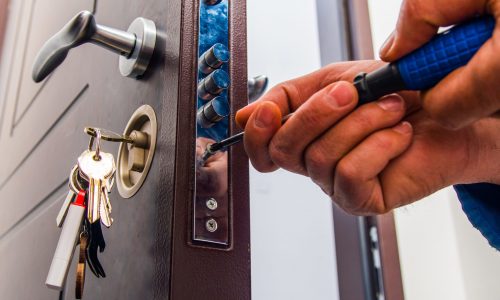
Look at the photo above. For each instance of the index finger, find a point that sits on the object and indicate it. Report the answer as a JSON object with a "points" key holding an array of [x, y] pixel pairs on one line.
{"points": [[290, 95]]}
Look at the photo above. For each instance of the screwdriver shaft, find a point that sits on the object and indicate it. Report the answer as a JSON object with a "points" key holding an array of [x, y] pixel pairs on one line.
{"points": [[232, 140]]}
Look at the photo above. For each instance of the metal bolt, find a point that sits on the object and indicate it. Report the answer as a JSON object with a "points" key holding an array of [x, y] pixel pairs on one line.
{"points": [[212, 2], [211, 225], [211, 204]]}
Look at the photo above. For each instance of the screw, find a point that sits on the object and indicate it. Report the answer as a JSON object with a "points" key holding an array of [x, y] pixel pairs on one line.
{"points": [[211, 225], [211, 204]]}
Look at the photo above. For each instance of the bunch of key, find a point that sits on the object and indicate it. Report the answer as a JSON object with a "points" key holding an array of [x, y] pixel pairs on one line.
{"points": [[86, 206]]}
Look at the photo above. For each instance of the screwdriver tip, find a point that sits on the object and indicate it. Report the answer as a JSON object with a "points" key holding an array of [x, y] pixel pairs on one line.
{"points": [[205, 156]]}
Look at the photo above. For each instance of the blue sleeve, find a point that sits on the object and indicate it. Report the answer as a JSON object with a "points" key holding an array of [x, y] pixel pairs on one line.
{"points": [[481, 204]]}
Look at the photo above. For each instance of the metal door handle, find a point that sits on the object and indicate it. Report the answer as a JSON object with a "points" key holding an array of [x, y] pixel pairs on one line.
{"points": [[256, 87], [135, 46]]}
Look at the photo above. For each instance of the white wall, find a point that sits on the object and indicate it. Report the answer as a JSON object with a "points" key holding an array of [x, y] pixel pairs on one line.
{"points": [[293, 254], [442, 255]]}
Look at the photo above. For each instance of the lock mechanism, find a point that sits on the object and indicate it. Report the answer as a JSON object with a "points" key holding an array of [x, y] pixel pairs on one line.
{"points": [[135, 154], [211, 226]]}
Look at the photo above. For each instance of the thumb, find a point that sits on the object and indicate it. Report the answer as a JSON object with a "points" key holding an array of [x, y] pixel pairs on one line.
{"points": [[468, 93], [420, 20]]}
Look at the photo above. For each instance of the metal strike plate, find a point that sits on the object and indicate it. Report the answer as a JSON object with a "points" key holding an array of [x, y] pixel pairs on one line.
{"points": [[211, 221], [134, 159]]}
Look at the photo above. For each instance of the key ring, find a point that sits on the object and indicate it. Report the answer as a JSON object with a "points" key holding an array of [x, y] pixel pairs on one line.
{"points": [[97, 135], [97, 155]]}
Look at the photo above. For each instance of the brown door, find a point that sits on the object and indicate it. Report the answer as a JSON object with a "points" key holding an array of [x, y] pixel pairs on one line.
{"points": [[149, 252]]}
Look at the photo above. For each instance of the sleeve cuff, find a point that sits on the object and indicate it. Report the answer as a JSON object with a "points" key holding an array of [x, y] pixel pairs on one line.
{"points": [[481, 204]]}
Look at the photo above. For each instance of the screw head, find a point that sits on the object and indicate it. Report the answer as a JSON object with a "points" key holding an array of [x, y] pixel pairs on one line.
{"points": [[211, 204], [211, 225]]}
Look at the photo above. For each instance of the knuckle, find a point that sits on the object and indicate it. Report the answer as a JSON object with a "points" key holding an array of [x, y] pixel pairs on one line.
{"points": [[346, 171], [312, 115], [414, 8], [383, 141], [326, 187], [345, 205], [444, 119], [358, 212], [439, 112], [378, 210], [339, 201], [449, 123], [364, 119], [316, 158], [280, 87], [263, 167], [290, 91], [281, 153], [363, 207]]}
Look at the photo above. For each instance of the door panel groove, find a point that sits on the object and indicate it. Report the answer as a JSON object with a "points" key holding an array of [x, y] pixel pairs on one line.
{"points": [[35, 146], [35, 208], [25, 91], [11, 66], [26, 43], [47, 137], [38, 92]]}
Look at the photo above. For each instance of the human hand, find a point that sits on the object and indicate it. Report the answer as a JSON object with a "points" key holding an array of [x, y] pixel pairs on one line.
{"points": [[469, 93], [370, 159], [211, 178]]}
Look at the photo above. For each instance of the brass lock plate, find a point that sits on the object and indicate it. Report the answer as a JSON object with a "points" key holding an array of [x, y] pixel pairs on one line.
{"points": [[134, 159]]}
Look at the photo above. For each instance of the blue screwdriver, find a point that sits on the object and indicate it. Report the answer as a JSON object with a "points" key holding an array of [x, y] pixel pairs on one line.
{"points": [[419, 70]]}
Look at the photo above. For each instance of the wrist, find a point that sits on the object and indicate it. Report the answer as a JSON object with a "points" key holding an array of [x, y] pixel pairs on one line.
{"points": [[484, 164]]}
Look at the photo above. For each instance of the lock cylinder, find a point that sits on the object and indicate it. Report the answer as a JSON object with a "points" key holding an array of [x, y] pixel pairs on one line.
{"points": [[213, 58], [212, 112], [212, 2], [213, 85]]}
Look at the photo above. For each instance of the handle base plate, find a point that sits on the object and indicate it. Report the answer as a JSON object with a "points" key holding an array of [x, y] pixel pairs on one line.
{"points": [[136, 64]]}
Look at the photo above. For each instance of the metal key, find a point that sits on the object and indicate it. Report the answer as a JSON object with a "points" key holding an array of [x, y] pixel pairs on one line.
{"points": [[105, 209], [96, 167], [105, 205]]}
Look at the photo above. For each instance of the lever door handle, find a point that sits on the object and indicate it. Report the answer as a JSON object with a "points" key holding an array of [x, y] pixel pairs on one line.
{"points": [[256, 87], [134, 46]]}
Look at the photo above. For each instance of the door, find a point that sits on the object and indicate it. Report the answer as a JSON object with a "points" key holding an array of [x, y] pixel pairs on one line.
{"points": [[149, 252]]}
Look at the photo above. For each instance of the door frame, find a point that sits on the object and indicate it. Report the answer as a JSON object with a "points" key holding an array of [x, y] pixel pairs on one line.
{"points": [[358, 277], [358, 16], [201, 272]]}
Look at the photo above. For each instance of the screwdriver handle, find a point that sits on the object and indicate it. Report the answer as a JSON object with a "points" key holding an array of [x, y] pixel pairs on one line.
{"points": [[452, 49], [426, 66]]}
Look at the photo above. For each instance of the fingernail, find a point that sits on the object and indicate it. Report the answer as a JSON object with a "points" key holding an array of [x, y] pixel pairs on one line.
{"points": [[391, 103], [341, 94], [238, 119], [384, 50], [264, 116], [403, 127]]}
